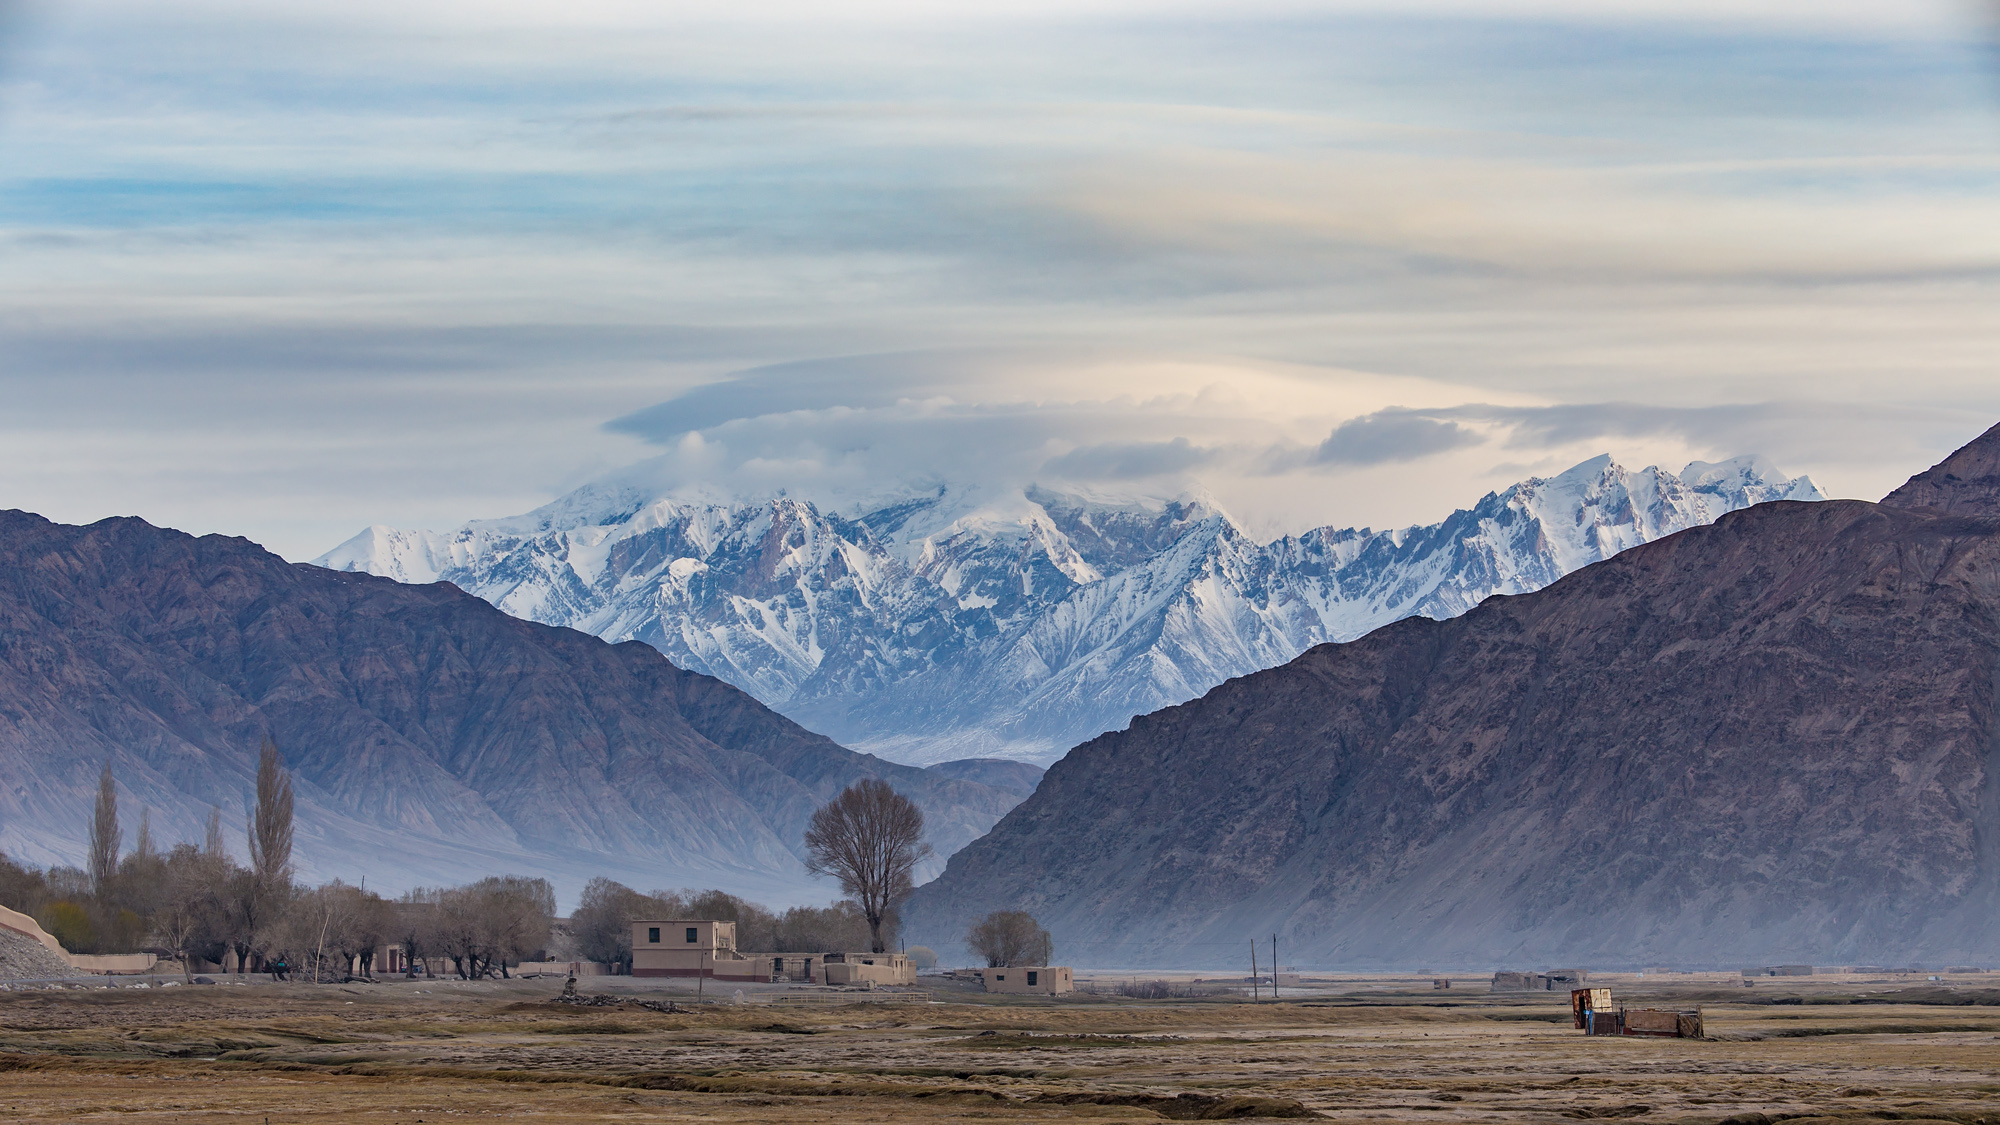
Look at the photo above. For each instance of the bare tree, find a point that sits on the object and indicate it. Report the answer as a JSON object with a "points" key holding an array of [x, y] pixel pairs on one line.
{"points": [[191, 882], [212, 845], [270, 827], [870, 837], [104, 835], [756, 926], [373, 920], [512, 914], [481, 926], [413, 923], [823, 929], [22, 888], [142, 885], [324, 924], [1010, 937], [602, 921], [251, 910]]}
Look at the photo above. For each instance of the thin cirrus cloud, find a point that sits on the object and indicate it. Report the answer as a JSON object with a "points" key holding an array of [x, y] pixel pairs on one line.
{"points": [[288, 271]]}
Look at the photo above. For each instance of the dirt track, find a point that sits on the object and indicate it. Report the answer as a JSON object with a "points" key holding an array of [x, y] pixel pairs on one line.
{"points": [[403, 1053]]}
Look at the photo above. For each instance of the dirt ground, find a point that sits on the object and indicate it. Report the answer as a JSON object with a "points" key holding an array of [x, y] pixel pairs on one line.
{"points": [[1354, 1051]]}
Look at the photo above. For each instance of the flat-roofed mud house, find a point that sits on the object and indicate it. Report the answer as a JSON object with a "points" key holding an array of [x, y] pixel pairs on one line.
{"points": [[702, 947], [1039, 980], [1555, 980], [867, 968]]}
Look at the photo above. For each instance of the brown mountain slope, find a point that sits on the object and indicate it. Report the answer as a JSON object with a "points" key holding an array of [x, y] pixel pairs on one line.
{"points": [[1968, 481], [433, 737], [1772, 738]]}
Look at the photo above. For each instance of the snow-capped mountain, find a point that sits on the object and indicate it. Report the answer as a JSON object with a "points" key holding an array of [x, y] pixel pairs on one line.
{"points": [[945, 626]]}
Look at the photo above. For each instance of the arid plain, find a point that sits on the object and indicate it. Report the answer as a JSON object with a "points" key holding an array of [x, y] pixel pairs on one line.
{"points": [[1352, 1050]]}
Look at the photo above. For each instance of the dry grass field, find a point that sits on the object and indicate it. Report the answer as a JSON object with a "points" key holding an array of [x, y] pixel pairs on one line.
{"points": [[1358, 1051]]}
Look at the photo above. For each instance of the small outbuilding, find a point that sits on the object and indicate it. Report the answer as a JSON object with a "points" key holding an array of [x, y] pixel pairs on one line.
{"points": [[867, 968]]}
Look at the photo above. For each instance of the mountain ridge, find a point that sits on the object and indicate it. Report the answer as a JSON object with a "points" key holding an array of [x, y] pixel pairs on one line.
{"points": [[940, 627]]}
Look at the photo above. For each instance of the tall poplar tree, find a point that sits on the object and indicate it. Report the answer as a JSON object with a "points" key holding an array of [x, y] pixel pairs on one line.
{"points": [[271, 823], [104, 835], [212, 844]]}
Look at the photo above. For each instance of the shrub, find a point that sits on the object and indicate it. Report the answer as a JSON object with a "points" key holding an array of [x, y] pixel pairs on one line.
{"points": [[69, 923]]}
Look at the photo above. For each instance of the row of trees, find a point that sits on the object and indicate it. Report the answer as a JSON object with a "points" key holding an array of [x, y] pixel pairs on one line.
{"points": [[194, 901], [122, 901]]}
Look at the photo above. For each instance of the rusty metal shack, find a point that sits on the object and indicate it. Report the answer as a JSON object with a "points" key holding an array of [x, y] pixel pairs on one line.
{"points": [[1592, 1013], [1584, 1002]]}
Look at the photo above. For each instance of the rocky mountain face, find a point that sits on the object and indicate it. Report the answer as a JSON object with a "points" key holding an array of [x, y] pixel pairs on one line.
{"points": [[1771, 739], [1966, 481], [941, 627], [433, 738]]}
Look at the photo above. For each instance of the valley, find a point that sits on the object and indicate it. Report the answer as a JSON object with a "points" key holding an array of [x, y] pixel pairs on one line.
{"points": [[1356, 1050]]}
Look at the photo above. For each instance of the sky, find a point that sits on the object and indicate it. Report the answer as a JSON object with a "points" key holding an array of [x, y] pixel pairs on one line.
{"points": [[287, 271]]}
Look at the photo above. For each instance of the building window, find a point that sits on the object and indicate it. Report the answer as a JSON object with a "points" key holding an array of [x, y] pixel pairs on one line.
{"points": [[1031, 978], [1000, 976], [691, 935], [653, 934]]}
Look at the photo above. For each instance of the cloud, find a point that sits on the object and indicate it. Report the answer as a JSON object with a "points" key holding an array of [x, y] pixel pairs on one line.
{"points": [[849, 382], [1799, 431], [1391, 436], [850, 432], [1881, 443], [1123, 461]]}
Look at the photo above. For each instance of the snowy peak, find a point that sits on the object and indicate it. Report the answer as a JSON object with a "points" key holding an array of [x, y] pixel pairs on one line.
{"points": [[1742, 481], [958, 624], [406, 556]]}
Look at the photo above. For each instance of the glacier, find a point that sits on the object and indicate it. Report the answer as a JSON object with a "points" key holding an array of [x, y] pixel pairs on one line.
{"points": [[951, 624]]}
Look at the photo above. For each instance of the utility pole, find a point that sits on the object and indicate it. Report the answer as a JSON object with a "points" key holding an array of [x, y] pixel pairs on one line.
{"points": [[701, 973], [1254, 994], [1274, 966]]}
